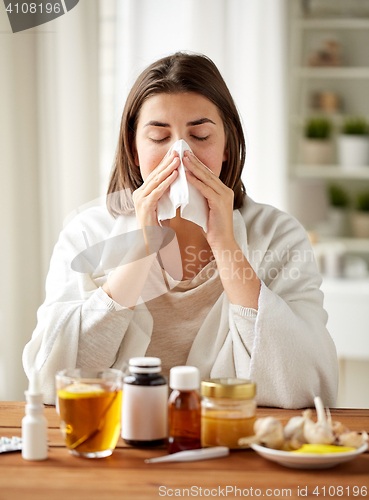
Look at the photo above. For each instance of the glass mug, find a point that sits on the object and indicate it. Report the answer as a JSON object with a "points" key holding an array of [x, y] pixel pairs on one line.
{"points": [[89, 404]]}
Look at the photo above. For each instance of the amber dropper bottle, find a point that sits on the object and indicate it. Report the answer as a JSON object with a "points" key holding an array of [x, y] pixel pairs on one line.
{"points": [[184, 409]]}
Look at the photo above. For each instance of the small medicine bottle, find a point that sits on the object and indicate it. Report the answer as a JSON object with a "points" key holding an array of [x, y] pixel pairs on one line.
{"points": [[228, 411], [184, 409], [145, 403]]}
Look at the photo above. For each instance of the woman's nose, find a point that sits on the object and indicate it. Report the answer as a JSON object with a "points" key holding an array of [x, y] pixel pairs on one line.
{"points": [[177, 138]]}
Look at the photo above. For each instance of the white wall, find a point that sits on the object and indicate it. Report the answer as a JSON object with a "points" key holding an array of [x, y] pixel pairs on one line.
{"points": [[20, 290], [49, 163]]}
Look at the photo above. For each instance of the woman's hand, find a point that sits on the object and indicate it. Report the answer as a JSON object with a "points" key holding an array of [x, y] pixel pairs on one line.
{"points": [[146, 196], [240, 282], [219, 198]]}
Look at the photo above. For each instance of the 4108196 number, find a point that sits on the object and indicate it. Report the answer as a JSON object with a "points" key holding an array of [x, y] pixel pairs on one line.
{"points": [[340, 491], [33, 8]]}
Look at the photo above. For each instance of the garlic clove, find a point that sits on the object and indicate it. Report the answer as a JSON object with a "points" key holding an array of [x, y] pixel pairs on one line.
{"points": [[307, 413], [320, 412], [294, 429], [293, 444], [339, 428], [269, 431], [355, 439], [316, 433], [319, 432], [245, 442]]}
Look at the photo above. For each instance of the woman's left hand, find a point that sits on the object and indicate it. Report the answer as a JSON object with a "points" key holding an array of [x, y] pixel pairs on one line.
{"points": [[219, 197]]}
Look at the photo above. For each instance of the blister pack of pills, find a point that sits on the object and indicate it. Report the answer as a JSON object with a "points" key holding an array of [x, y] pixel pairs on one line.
{"points": [[10, 444]]}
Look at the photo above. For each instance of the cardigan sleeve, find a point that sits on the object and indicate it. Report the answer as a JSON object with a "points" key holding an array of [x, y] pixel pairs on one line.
{"points": [[244, 319], [78, 325], [288, 350]]}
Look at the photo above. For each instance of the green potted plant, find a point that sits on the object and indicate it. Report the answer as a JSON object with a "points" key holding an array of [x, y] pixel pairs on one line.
{"points": [[338, 213], [353, 143], [360, 217], [317, 145], [338, 197]]}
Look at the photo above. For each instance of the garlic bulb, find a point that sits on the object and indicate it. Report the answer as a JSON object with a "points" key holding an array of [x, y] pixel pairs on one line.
{"points": [[354, 439], [268, 432], [294, 431], [319, 432]]}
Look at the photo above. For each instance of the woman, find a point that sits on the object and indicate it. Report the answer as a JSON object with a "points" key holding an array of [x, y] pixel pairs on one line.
{"points": [[241, 299]]}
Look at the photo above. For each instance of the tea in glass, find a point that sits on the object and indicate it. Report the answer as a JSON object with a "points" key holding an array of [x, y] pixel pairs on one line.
{"points": [[89, 405]]}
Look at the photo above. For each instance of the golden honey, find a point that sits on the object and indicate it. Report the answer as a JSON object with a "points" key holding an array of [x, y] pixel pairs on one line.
{"points": [[228, 411], [225, 429]]}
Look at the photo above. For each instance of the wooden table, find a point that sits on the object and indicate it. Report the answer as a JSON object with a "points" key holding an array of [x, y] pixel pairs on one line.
{"points": [[125, 475]]}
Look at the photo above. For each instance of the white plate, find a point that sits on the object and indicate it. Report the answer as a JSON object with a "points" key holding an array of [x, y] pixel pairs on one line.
{"points": [[307, 460]]}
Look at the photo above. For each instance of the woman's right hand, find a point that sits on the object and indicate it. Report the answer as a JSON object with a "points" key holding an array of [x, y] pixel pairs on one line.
{"points": [[146, 197]]}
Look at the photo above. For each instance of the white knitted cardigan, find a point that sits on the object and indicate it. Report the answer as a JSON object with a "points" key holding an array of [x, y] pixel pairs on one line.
{"points": [[284, 346]]}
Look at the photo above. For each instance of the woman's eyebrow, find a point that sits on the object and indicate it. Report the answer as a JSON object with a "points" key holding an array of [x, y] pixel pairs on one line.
{"points": [[155, 123], [200, 122]]}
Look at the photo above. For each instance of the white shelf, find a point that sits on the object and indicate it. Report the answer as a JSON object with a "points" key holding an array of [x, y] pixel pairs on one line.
{"points": [[332, 172], [349, 82], [339, 72], [352, 245], [346, 23], [336, 118]]}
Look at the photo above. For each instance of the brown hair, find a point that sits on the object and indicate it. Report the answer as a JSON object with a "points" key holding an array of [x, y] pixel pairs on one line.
{"points": [[177, 73]]}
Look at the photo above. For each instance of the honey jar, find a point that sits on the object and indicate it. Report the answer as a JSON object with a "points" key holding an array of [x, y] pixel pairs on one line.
{"points": [[228, 411]]}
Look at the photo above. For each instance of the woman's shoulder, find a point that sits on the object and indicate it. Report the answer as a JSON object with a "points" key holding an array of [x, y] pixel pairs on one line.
{"points": [[94, 224], [268, 222], [254, 211], [96, 217]]}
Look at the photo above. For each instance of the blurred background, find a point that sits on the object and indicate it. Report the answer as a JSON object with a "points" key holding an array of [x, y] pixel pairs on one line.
{"points": [[299, 73]]}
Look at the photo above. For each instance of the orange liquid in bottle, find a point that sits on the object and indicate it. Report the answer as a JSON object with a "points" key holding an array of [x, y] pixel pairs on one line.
{"points": [[184, 418]]}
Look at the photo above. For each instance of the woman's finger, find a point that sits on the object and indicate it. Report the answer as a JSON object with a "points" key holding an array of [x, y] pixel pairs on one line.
{"points": [[158, 191], [204, 174], [165, 162], [158, 175], [206, 190]]}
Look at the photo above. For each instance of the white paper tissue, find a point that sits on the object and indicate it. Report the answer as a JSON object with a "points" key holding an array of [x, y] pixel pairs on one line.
{"points": [[181, 193]]}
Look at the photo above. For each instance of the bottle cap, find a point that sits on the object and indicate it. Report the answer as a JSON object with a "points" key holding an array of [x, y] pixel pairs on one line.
{"points": [[34, 387], [144, 365], [234, 388], [184, 378]]}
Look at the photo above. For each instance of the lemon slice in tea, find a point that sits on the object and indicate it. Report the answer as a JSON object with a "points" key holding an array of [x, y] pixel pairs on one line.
{"points": [[80, 390]]}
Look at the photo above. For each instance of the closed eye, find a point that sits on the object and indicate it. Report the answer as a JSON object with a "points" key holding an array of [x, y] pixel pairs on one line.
{"points": [[197, 138], [200, 138], [159, 140]]}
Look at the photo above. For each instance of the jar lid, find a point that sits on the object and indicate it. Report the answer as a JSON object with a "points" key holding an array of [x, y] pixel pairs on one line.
{"points": [[235, 388], [144, 365], [184, 378]]}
